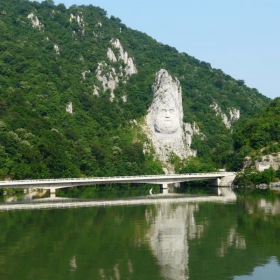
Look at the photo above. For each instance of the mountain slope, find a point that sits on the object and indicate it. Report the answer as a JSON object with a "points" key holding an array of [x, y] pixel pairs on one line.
{"points": [[67, 106]]}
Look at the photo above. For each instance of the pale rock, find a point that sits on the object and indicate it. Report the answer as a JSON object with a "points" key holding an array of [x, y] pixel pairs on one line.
{"points": [[124, 98], [85, 73], [112, 96], [56, 48], [164, 121], [233, 112], [109, 76], [73, 263], [35, 21], [111, 56], [109, 79], [99, 24], [116, 43], [192, 129], [268, 161], [130, 69], [122, 54], [79, 19], [96, 90], [71, 17], [69, 108]]}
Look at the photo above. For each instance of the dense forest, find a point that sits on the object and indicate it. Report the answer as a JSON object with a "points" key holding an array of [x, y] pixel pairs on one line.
{"points": [[49, 57]]}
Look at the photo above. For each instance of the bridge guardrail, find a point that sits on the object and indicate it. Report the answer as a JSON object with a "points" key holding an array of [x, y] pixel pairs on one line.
{"points": [[114, 177]]}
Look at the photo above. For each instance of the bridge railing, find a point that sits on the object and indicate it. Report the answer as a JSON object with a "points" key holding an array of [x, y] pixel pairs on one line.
{"points": [[118, 177]]}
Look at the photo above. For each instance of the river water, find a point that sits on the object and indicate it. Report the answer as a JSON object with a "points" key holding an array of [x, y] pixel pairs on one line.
{"points": [[166, 239]]}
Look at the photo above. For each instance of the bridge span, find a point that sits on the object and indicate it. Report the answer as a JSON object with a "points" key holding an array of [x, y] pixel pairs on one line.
{"points": [[220, 179]]}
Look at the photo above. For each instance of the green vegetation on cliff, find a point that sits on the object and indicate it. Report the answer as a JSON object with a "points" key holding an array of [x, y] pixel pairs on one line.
{"points": [[258, 135], [257, 140], [39, 139]]}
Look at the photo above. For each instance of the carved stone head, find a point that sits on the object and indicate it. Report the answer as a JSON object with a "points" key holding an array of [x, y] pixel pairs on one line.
{"points": [[165, 114]]}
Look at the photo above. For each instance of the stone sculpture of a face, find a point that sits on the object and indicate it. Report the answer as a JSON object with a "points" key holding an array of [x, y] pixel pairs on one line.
{"points": [[164, 121], [166, 116]]}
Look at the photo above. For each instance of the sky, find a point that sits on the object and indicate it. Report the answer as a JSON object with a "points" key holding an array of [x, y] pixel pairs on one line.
{"points": [[240, 37]]}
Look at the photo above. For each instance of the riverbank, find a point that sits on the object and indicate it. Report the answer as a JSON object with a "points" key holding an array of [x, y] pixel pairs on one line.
{"points": [[272, 186]]}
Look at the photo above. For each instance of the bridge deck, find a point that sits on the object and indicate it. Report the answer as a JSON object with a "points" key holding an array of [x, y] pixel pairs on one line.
{"points": [[150, 179]]}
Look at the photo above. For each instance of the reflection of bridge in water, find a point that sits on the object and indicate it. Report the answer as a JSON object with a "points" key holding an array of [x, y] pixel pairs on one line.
{"points": [[220, 179], [62, 203]]}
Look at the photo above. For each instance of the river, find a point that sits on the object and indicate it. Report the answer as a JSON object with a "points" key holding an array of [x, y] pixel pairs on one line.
{"points": [[176, 238]]}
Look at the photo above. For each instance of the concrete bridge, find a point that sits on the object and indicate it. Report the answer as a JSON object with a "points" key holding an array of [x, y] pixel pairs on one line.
{"points": [[219, 179]]}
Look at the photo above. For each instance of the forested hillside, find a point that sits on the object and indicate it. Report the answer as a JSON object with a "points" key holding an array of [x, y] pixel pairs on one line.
{"points": [[257, 148], [56, 119]]}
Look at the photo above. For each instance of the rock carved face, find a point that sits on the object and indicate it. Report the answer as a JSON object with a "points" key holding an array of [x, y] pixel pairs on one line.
{"points": [[167, 117]]}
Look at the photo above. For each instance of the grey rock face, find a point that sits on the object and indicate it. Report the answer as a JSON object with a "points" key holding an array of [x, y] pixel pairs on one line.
{"points": [[69, 108], [35, 21], [109, 76], [164, 121], [233, 113]]}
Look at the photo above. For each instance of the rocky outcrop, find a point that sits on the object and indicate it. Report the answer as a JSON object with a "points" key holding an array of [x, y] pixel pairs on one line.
{"points": [[110, 76], [84, 73], [130, 68], [69, 108], [56, 48], [264, 162], [192, 129], [164, 122], [234, 114], [111, 56], [80, 21], [35, 21]]}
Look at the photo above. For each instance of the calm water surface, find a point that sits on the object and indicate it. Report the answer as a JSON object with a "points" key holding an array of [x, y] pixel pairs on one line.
{"points": [[166, 240]]}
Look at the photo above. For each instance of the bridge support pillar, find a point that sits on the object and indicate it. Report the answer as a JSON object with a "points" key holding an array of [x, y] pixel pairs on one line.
{"points": [[52, 193], [164, 186], [216, 182]]}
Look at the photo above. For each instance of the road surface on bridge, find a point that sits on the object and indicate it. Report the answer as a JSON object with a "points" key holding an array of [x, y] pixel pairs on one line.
{"points": [[163, 180]]}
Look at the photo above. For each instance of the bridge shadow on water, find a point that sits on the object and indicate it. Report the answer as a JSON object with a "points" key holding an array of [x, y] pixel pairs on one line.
{"points": [[92, 197]]}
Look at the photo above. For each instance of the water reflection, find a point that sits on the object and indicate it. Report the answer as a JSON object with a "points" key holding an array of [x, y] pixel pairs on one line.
{"points": [[272, 208], [27, 196], [170, 229], [234, 240], [159, 239]]}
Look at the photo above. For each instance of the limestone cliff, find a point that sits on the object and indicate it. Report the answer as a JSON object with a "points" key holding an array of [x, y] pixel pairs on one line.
{"points": [[35, 21], [234, 114], [110, 76], [164, 122]]}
